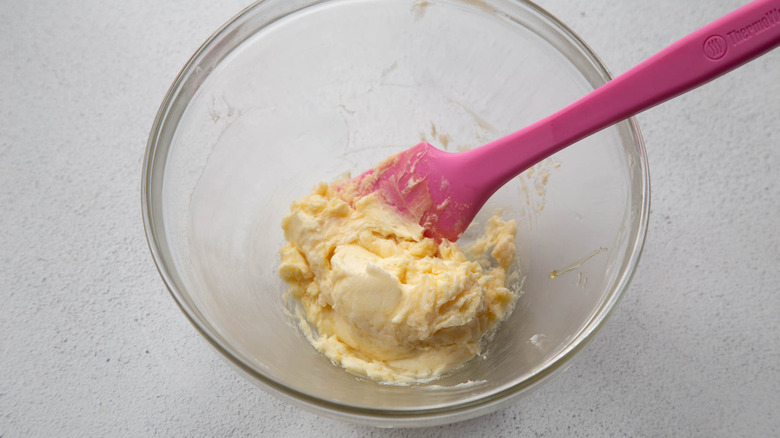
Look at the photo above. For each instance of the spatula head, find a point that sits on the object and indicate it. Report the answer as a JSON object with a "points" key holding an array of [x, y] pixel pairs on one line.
{"points": [[416, 182]]}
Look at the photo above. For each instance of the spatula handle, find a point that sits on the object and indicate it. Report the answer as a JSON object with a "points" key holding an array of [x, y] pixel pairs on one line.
{"points": [[696, 59]]}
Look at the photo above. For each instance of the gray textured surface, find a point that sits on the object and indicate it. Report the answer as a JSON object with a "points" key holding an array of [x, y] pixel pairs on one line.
{"points": [[91, 343]]}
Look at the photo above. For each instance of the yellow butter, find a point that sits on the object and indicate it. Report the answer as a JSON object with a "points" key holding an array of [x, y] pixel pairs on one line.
{"points": [[385, 301]]}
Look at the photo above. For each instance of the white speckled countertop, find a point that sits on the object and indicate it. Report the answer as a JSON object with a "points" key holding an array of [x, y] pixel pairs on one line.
{"points": [[91, 344]]}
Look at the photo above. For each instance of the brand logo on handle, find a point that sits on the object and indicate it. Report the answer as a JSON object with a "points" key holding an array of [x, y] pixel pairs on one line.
{"points": [[761, 24], [715, 47]]}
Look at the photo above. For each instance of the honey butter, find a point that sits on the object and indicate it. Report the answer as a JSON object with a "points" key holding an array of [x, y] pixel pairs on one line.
{"points": [[383, 300]]}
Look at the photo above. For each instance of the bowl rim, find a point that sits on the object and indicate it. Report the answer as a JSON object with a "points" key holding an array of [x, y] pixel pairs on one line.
{"points": [[359, 414]]}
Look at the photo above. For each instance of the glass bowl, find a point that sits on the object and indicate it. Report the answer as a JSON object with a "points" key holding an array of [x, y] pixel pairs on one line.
{"points": [[291, 93]]}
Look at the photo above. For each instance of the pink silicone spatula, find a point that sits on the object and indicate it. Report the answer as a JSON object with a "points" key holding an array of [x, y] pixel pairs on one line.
{"points": [[444, 191]]}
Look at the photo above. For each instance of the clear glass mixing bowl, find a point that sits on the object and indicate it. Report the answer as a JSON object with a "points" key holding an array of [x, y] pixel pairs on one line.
{"points": [[291, 93]]}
